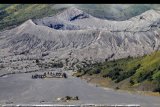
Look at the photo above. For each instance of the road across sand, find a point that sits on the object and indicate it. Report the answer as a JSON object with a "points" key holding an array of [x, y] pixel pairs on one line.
{"points": [[21, 89]]}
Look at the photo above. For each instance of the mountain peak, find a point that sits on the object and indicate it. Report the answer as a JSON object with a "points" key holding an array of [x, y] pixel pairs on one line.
{"points": [[73, 13], [28, 23], [73, 10]]}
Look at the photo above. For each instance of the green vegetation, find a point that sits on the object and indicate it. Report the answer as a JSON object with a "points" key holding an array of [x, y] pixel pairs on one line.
{"points": [[16, 14], [138, 70]]}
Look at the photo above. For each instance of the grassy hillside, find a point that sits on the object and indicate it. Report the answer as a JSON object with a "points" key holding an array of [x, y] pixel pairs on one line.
{"points": [[15, 14], [141, 73]]}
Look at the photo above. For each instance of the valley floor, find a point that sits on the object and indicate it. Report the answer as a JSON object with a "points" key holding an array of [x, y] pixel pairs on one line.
{"points": [[21, 89]]}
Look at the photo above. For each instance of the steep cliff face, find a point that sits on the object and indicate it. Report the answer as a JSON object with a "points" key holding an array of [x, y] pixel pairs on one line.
{"points": [[76, 35]]}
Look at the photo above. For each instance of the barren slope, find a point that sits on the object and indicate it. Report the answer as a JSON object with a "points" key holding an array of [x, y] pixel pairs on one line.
{"points": [[78, 36]]}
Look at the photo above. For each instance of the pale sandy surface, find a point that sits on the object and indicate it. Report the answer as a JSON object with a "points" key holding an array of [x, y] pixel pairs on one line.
{"points": [[21, 89]]}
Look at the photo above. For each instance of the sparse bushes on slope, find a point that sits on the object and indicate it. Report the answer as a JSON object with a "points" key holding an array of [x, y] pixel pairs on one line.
{"points": [[139, 70], [145, 76]]}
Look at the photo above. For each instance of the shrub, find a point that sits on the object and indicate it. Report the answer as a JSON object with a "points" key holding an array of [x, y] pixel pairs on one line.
{"points": [[104, 76], [97, 71], [117, 88], [147, 75], [131, 82], [157, 89], [156, 76], [113, 74]]}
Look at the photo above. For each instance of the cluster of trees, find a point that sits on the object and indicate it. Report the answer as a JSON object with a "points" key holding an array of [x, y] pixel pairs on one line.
{"points": [[49, 65], [115, 71], [118, 74]]}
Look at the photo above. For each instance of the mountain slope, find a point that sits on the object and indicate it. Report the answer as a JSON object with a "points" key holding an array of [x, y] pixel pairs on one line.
{"points": [[142, 73], [15, 14], [74, 19], [83, 37], [113, 11], [74, 39]]}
